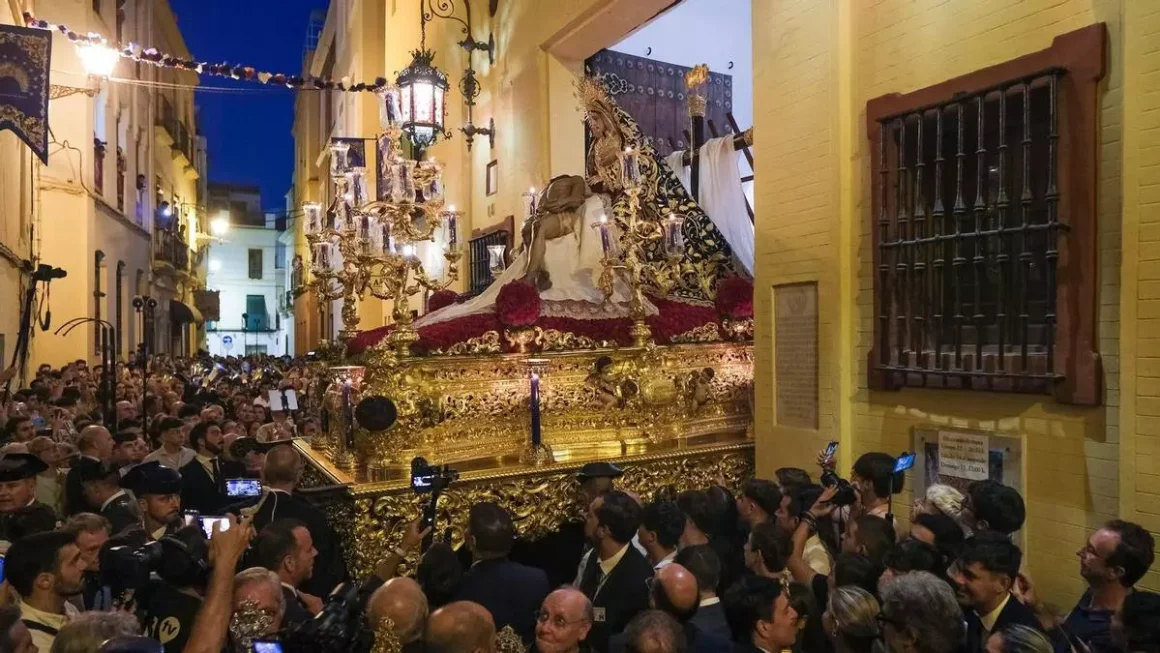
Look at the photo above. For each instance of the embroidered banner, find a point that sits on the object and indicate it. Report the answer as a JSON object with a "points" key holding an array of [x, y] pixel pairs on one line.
{"points": [[25, 57]]}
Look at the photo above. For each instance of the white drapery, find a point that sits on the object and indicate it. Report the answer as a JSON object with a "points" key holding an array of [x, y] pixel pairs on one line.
{"points": [[722, 196]]}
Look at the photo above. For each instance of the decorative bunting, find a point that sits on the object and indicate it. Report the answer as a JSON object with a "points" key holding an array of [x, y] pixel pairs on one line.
{"points": [[25, 60], [152, 56]]}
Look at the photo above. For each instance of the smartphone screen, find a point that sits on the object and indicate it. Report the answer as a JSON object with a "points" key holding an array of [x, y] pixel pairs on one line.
{"points": [[267, 647], [831, 448], [243, 487], [1, 568], [207, 524], [190, 516], [422, 482], [904, 462]]}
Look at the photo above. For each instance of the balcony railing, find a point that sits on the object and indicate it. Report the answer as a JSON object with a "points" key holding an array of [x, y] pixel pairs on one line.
{"points": [[170, 247], [184, 142]]}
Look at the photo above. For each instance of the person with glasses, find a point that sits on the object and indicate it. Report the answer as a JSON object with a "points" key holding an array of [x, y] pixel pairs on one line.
{"points": [[1115, 558], [563, 622]]}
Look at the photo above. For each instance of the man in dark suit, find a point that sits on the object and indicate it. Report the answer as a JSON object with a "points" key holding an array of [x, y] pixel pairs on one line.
{"points": [[760, 615], [281, 474], [285, 548], [675, 591], [101, 484], [560, 553], [702, 562], [983, 577], [95, 445], [510, 591], [614, 576], [203, 480]]}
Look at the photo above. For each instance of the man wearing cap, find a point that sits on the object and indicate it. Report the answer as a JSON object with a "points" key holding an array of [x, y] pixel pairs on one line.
{"points": [[101, 482], [20, 513], [560, 553], [173, 452], [158, 492]]}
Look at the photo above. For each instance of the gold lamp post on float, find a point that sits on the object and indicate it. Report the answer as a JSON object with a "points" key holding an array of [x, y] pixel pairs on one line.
{"points": [[358, 246], [627, 252]]}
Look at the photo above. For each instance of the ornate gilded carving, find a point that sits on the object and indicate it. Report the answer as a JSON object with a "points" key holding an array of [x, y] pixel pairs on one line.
{"points": [[488, 343], [539, 499], [705, 333], [507, 641]]}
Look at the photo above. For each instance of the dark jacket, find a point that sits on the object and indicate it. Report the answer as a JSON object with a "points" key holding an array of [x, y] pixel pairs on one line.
{"points": [[329, 568], [510, 591], [121, 513], [710, 619], [204, 493], [74, 492], [296, 611], [36, 517], [1014, 613], [619, 597]]}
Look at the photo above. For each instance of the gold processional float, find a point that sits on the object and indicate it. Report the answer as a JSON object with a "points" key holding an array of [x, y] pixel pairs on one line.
{"points": [[516, 409]]}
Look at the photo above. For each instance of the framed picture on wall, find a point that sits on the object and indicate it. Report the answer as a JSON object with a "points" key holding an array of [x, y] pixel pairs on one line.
{"points": [[492, 178]]}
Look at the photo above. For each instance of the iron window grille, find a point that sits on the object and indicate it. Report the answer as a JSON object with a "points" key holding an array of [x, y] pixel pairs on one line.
{"points": [[983, 228]]}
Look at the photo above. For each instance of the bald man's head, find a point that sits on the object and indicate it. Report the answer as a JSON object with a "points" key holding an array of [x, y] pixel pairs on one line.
{"points": [[675, 591], [95, 441], [283, 466], [460, 627], [402, 601]]}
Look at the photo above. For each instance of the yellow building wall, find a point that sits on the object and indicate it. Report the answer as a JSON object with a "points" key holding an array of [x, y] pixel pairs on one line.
{"points": [[1139, 415], [817, 63]]}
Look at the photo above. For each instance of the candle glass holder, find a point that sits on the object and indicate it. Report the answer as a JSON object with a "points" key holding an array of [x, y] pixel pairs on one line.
{"points": [[342, 395], [536, 452], [495, 260]]}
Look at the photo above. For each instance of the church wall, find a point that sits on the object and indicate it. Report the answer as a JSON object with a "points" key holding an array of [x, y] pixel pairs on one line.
{"points": [[817, 63]]}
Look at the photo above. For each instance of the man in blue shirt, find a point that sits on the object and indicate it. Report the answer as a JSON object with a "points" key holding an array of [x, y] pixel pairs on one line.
{"points": [[1114, 560]]}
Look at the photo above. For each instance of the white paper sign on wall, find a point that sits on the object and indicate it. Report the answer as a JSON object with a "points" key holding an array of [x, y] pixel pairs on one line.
{"points": [[963, 455]]}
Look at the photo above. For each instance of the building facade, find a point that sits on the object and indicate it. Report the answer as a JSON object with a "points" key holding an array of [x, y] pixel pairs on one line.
{"points": [[117, 205], [247, 270]]}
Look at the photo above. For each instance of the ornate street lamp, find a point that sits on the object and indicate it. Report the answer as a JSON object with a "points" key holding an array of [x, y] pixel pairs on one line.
{"points": [[422, 96]]}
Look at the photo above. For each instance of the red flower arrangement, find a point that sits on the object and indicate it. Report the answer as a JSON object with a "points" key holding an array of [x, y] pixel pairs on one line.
{"points": [[518, 304], [441, 299], [735, 298]]}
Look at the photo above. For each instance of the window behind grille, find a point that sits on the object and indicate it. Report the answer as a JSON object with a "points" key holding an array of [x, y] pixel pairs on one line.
{"points": [[255, 263], [984, 226]]}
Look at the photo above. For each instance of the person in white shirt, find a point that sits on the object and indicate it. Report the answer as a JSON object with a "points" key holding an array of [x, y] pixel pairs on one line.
{"points": [[173, 452], [661, 525], [45, 569]]}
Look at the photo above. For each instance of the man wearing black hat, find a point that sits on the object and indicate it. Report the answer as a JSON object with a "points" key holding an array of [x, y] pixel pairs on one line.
{"points": [[20, 513], [101, 483], [559, 554], [158, 492]]}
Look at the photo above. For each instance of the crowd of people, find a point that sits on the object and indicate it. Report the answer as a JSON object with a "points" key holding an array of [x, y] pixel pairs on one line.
{"points": [[173, 522]]}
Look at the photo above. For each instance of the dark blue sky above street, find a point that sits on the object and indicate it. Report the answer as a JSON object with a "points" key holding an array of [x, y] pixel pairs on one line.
{"points": [[249, 134]]}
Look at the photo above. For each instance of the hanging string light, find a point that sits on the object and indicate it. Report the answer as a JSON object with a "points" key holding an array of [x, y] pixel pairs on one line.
{"points": [[94, 42]]}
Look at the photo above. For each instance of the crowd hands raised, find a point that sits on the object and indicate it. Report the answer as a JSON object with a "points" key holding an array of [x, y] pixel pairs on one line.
{"points": [[102, 553]]}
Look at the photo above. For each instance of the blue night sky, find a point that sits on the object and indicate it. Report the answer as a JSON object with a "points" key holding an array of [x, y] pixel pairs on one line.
{"points": [[249, 135]]}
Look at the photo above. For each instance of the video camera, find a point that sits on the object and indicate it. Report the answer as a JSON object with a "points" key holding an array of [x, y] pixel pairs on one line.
{"points": [[341, 626], [180, 559]]}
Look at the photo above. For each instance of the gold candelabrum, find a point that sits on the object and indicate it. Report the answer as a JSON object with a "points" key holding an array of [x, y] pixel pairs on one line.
{"points": [[359, 246], [626, 252]]}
